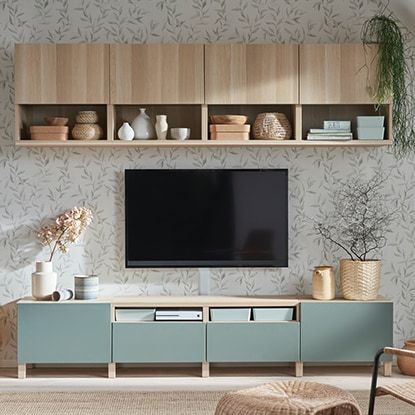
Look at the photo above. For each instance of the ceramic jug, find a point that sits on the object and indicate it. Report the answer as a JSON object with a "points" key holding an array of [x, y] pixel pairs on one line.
{"points": [[143, 127], [324, 283]]}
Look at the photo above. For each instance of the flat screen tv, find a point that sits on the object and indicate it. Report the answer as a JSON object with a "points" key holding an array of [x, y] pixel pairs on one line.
{"points": [[206, 218]]}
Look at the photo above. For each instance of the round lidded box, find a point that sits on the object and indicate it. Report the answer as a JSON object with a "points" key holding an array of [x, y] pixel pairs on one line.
{"points": [[86, 117]]}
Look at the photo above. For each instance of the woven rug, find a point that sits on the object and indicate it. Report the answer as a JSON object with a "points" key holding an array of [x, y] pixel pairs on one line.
{"points": [[146, 403]]}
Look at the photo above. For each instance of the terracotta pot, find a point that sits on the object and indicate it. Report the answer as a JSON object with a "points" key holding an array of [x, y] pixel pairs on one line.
{"points": [[407, 364]]}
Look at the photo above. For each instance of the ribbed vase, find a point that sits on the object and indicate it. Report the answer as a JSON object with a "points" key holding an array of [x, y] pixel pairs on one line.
{"points": [[360, 280]]}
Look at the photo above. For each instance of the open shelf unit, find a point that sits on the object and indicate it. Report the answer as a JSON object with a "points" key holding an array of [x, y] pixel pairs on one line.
{"points": [[196, 117]]}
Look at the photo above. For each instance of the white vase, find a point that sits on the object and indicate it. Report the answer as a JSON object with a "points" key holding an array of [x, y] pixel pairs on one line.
{"points": [[161, 126], [44, 281], [125, 132], [143, 127]]}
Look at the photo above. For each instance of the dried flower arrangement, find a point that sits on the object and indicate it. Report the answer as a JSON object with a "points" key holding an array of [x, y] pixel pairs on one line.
{"points": [[66, 229], [360, 219]]}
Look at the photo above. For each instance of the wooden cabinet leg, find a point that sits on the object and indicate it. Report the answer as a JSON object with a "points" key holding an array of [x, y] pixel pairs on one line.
{"points": [[298, 369], [387, 368], [205, 369], [112, 370], [21, 371]]}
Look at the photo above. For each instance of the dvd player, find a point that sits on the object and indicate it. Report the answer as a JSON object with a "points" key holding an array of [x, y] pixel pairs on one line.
{"points": [[165, 314]]}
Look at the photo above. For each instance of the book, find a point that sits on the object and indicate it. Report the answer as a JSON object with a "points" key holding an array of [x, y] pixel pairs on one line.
{"points": [[337, 125], [314, 137], [329, 130], [326, 137]]}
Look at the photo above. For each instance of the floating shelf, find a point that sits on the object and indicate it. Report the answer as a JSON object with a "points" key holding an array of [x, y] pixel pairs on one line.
{"points": [[203, 143]]}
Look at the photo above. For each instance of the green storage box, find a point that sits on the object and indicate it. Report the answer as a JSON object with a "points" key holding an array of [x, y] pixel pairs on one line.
{"points": [[230, 314], [135, 314], [273, 314]]}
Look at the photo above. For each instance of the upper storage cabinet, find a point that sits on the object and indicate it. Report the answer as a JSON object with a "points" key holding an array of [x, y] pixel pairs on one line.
{"points": [[157, 74], [251, 74], [62, 73], [337, 73]]}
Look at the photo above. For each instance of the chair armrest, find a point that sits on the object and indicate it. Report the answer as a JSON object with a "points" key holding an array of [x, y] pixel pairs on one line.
{"points": [[399, 352]]}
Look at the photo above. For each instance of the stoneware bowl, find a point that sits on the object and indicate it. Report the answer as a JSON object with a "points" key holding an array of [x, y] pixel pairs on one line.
{"points": [[228, 119], [56, 121], [180, 133]]}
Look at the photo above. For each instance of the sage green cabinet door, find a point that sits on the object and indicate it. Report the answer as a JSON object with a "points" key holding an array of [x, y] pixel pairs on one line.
{"points": [[159, 342], [253, 342], [64, 333], [345, 331]]}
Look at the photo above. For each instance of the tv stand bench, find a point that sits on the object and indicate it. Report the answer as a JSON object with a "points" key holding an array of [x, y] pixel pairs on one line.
{"points": [[88, 332]]}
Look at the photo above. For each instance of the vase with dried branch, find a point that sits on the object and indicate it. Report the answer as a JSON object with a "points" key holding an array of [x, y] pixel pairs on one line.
{"points": [[65, 230], [358, 225]]}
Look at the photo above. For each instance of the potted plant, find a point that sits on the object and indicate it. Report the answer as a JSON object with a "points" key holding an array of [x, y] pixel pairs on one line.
{"points": [[393, 78], [65, 230], [358, 225]]}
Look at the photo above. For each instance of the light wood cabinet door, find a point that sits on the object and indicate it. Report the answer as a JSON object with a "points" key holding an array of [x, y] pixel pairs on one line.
{"points": [[62, 73], [251, 74], [157, 74], [337, 73]]}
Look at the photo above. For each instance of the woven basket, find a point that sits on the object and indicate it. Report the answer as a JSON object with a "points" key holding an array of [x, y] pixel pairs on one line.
{"points": [[87, 132], [272, 126], [360, 280], [87, 117]]}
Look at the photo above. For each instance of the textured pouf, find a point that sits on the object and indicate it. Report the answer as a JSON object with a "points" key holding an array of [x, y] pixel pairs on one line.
{"points": [[289, 398]]}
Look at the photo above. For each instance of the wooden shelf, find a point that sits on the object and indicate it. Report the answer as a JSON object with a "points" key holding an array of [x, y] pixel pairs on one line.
{"points": [[203, 143]]}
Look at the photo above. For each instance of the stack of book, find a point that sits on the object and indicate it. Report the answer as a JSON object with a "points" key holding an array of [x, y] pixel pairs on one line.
{"points": [[229, 131], [332, 131]]}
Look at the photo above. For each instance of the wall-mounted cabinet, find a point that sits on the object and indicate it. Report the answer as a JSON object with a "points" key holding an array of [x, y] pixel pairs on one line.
{"points": [[62, 74], [189, 82], [251, 74], [157, 74], [337, 73]]}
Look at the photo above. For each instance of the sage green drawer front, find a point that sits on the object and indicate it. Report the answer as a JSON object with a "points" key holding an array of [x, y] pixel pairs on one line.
{"points": [[345, 331], [158, 342], [64, 333], [253, 342]]}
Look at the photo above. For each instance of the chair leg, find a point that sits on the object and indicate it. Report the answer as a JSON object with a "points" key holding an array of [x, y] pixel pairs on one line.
{"points": [[374, 382]]}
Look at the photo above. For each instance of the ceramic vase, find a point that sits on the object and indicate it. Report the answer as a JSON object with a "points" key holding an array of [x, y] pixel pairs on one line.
{"points": [[125, 132], [407, 364], [86, 287], [161, 126], [143, 127], [43, 281]]}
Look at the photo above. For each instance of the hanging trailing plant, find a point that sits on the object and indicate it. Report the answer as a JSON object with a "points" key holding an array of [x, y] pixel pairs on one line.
{"points": [[393, 78]]}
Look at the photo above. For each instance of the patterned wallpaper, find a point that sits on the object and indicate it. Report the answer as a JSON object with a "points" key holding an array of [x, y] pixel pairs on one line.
{"points": [[37, 184]]}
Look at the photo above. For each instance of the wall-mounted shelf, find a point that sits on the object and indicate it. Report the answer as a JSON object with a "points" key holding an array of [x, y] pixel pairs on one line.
{"points": [[207, 79]]}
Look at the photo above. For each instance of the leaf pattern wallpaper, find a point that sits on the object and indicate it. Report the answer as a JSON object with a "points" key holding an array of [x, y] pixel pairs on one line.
{"points": [[37, 184]]}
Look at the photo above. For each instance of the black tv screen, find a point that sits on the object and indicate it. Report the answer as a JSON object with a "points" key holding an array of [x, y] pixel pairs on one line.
{"points": [[206, 218]]}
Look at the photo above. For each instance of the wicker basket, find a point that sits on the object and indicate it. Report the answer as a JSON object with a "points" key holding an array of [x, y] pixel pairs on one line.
{"points": [[360, 280], [272, 126], [87, 117], [87, 132]]}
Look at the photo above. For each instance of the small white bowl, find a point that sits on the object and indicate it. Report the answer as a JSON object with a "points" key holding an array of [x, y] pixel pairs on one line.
{"points": [[180, 133]]}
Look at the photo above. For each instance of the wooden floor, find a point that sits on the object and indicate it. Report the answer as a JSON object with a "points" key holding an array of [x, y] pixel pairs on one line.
{"points": [[172, 379]]}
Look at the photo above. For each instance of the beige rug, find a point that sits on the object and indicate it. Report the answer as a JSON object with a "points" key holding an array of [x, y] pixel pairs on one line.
{"points": [[145, 403]]}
